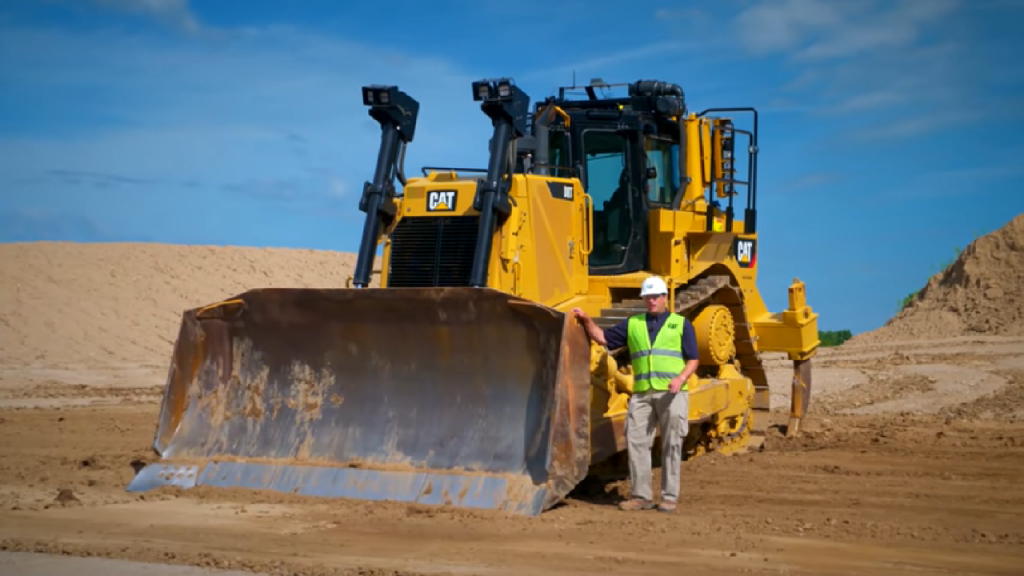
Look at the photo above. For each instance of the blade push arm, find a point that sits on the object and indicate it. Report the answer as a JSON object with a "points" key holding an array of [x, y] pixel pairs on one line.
{"points": [[507, 106], [396, 112]]}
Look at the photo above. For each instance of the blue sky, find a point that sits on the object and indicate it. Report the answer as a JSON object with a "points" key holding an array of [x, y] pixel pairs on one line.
{"points": [[890, 131]]}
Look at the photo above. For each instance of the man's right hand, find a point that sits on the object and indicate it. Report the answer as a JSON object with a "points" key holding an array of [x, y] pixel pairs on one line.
{"points": [[592, 329]]}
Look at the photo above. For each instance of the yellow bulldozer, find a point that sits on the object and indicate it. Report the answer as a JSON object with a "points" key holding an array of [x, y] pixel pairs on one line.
{"points": [[463, 378]]}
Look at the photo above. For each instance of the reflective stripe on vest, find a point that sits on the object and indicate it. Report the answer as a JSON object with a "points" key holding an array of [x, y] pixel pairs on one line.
{"points": [[654, 366]]}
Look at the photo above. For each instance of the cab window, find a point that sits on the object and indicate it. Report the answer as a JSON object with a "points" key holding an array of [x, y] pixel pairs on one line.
{"points": [[558, 154], [608, 184], [663, 156]]}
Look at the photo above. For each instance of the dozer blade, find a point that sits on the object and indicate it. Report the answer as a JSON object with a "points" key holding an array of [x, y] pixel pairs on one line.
{"points": [[461, 396]]}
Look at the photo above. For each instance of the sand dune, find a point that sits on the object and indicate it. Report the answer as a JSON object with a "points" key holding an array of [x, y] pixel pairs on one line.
{"points": [[981, 293], [67, 304]]}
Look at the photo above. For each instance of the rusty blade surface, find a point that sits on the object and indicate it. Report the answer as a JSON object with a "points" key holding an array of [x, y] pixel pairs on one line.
{"points": [[463, 396]]}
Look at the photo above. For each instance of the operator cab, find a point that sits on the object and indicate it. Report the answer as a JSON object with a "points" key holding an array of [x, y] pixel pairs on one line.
{"points": [[625, 150]]}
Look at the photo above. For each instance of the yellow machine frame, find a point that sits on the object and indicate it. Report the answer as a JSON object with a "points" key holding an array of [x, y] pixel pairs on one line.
{"points": [[541, 254]]}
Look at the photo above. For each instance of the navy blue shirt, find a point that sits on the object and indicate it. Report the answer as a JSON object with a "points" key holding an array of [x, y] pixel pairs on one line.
{"points": [[615, 337]]}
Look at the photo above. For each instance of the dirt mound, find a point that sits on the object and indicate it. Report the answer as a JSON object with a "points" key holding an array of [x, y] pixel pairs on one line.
{"points": [[64, 304], [981, 293]]}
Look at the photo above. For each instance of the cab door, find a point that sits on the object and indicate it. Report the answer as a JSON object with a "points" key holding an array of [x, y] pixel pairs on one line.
{"points": [[610, 174]]}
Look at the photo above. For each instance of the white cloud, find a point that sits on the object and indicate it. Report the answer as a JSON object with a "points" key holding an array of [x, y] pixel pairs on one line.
{"points": [[339, 188], [830, 29], [906, 68], [899, 25], [781, 25], [176, 13], [208, 132], [592, 67], [265, 105]]}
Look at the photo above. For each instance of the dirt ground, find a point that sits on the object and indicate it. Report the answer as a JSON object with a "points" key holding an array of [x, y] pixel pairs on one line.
{"points": [[888, 477], [910, 463]]}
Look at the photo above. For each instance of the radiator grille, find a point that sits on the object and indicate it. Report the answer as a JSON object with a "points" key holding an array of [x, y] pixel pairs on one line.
{"points": [[431, 251]]}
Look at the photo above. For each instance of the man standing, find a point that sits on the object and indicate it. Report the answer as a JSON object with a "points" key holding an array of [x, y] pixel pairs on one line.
{"points": [[663, 350]]}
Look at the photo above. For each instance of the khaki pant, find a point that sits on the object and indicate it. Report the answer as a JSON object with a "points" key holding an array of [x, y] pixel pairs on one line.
{"points": [[670, 413]]}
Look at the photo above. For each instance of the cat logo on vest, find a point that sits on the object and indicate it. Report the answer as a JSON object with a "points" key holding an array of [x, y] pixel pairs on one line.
{"points": [[746, 252], [441, 201]]}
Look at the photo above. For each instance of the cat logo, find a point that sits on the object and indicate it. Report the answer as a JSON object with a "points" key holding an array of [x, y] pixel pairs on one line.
{"points": [[746, 252], [441, 201]]}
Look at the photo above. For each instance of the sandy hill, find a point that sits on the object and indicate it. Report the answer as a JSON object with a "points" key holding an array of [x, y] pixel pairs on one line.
{"points": [[67, 304], [72, 304], [980, 293]]}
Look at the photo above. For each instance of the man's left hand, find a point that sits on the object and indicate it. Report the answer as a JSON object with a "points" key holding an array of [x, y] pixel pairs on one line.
{"points": [[676, 384]]}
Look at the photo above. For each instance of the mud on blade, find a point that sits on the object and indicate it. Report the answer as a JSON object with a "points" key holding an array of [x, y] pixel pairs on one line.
{"points": [[464, 396]]}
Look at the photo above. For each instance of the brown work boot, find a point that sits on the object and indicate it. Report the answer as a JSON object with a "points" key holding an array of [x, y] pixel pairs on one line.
{"points": [[667, 506], [636, 504]]}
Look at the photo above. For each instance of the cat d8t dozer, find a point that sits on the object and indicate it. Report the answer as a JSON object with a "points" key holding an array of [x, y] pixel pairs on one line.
{"points": [[464, 378]]}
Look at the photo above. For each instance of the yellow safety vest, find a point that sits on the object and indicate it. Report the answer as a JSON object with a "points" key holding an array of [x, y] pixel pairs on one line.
{"points": [[655, 366]]}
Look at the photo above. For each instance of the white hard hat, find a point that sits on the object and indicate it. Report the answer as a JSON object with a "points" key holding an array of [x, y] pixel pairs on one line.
{"points": [[653, 286]]}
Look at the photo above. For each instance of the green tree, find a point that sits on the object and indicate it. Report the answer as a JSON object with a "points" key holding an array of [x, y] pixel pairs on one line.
{"points": [[834, 337]]}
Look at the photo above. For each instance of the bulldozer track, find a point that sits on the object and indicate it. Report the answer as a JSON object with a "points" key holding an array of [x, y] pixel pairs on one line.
{"points": [[689, 299]]}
